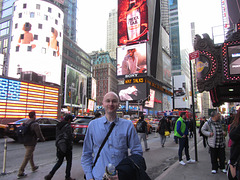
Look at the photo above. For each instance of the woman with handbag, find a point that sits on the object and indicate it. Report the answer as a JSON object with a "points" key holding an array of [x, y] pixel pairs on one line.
{"points": [[164, 129]]}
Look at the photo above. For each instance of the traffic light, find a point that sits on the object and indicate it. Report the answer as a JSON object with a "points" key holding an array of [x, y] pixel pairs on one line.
{"points": [[69, 93]]}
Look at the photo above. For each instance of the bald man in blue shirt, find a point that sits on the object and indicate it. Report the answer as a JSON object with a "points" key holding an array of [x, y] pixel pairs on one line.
{"points": [[122, 138]]}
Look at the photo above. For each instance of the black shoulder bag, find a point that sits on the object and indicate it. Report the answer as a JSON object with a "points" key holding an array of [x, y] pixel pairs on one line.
{"points": [[103, 143]]}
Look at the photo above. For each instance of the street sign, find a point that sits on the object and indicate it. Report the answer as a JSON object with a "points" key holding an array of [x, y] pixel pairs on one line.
{"points": [[193, 55]]}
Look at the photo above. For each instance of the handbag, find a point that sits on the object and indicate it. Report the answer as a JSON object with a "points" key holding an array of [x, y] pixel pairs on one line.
{"points": [[103, 143], [167, 133]]}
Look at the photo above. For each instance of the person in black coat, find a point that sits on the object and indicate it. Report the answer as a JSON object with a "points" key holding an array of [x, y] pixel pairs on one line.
{"points": [[200, 132], [63, 127], [164, 125]]}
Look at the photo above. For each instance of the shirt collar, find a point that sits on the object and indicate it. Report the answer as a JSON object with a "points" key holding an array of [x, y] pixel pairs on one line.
{"points": [[105, 121]]}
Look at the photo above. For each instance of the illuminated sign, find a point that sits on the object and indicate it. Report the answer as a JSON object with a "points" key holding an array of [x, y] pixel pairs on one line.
{"points": [[131, 60], [90, 105], [231, 60], [132, 92], [37, 36], [150, 103], [132, 21], [134, 80], [18, 98], [76, 81], [234, 59], [157, 86], [94, 89]]}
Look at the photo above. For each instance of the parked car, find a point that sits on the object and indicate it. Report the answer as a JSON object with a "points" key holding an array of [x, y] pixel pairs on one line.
{"points": [[80, 125], [47, 125], [2, 130]]}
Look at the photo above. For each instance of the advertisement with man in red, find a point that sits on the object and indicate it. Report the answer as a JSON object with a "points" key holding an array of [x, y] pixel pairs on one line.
{"points": [[132, 21]]}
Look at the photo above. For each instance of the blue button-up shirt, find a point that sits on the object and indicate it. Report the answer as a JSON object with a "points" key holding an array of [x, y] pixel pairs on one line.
{"points": [[123, 136]]}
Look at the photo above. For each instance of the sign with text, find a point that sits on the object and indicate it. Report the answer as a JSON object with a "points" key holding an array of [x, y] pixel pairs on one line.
{"points": [[194, 55], [132, 21]]}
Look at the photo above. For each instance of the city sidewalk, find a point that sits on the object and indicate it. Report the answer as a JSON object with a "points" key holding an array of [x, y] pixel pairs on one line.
{"points": [[200, 170]]}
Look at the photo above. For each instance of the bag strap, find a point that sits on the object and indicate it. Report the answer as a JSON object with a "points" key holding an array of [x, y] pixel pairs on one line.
{"points": [[103, 143]]}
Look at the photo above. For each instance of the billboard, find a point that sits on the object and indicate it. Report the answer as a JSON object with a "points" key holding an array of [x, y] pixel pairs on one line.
{"points": [[132, 21], [150, 103], [167, 73], [76, 81], [94, 89], [37, 36], [131, 60], [167, 102], [181, 89], [18, 98], [234, 59], [91, 104], [132, 92]]}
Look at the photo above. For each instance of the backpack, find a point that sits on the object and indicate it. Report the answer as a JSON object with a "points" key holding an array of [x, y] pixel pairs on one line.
{"points": [[61, 140], [140, 126], [24, 132]]}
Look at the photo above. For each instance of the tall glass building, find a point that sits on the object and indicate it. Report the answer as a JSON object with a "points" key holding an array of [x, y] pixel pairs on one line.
{"points": [[174, 37]]}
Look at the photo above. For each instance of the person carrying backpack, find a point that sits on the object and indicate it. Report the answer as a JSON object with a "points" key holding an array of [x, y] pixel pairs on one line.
{"points": [[142, 131], [30, 143], [64, 143]]}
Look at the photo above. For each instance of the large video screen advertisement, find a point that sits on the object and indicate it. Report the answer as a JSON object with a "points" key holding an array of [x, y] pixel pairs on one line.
{"points": [[37, 36], [76, 81], [94, 89], [132, 21], [131, 60], [18, 98], [234, 59], [132, 92]]}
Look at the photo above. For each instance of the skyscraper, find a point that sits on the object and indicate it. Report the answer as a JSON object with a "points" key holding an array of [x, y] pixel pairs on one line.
{"points": [[70, 19], [165, 15], [112, 33], [174, 37]]}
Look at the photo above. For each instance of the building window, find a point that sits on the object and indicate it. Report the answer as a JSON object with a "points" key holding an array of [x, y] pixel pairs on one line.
{"points": [[44, 50], [37, 6], [20, 15], [59, 15], [24, 6], [35, 37], [56, 22], [32, 14], [16, 25], [17, 48], [39, 26], [49, 9], [29, 48], [4, 32], [46, 17], [5, 43]]}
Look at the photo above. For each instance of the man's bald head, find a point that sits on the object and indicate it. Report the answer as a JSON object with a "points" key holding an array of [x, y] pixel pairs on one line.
{"points": [[111, 93]]}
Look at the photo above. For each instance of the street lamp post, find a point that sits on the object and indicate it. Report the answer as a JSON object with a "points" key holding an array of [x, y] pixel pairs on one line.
{"points": [[193, 55]]}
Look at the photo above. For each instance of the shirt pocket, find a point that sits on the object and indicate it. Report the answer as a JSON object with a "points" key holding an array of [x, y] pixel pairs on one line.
{"points": [[120, 141]]}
